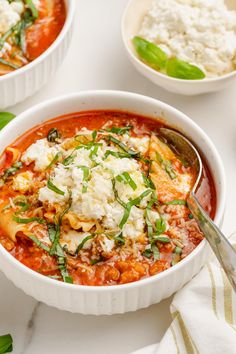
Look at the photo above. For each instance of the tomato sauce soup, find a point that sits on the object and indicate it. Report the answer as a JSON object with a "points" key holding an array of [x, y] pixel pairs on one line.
{"points": [[99, 198], [38, 24]]}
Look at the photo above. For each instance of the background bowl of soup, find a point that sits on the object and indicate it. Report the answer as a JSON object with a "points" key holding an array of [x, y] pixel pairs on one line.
{"points": [[45, 43], [111, 299]]}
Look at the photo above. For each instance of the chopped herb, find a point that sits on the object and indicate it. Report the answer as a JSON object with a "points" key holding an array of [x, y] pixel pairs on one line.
{"points": [[125, 177], [53, 135], [177, 202], [162, 239], [27, 221], [119, 240], [39, 243], [148, 182], [120, 155], [32, 8], [155, 251], [8, 63], [160, 226], [190, 216], [86, 173], [123, 146], [6, 344], [5, 118], [118, 130], [183, 70], [95, 261], [86, 239], [10, 171], [54, 161], [68, 160], [147, 253], [167, 165], [130, 204], [63, 269], [94, 135], [178, 250], [54, 188], [116, 194]]}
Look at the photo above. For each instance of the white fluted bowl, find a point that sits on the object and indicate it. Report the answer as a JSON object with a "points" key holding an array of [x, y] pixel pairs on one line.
{"points": [[26, 81], [131, 23], [118, 298]]}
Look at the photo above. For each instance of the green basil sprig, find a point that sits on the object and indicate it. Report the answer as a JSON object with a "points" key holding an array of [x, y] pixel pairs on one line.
{"points": [[5, 118], [6, 344], [156, 58]]}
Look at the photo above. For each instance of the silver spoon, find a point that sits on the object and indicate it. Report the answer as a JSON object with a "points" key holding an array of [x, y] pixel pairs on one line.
{"points": [[223, 250]]}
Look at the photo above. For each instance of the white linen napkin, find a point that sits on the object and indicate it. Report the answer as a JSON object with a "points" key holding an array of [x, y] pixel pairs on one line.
{"points": [[204, 316]]}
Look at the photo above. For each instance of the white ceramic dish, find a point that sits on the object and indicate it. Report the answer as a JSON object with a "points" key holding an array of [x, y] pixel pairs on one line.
{"points": [[23, 83], [131, 22], [127, 297]]}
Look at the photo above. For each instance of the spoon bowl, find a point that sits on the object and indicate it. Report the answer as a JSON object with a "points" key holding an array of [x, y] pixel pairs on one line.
{"points": [[223, 250]]}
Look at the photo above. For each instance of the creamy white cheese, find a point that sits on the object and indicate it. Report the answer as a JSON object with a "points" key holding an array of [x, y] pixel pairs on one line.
{"points": [[9, 15], [41, 154], [202, 32]]}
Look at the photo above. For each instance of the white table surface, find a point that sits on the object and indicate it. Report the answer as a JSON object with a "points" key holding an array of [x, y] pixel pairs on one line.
{"points": [[97, 60]]}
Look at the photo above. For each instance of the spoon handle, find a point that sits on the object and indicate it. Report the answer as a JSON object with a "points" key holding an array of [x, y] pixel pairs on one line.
{"points": [[223, 250]]}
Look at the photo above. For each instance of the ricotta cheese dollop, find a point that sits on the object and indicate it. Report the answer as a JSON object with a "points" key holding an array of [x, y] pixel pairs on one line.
{"points": [[201, 32]]}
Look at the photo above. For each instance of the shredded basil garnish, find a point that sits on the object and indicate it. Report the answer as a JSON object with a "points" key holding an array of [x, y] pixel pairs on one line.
{"points": [[122, 146], [117, 130], [155, 251], [6, 344], [177, 202], [120, 155], [11, 171], [27, 221], [54, 188], [129, 206], [39, 243], [167, 165], [95, 261], [54, 161], [86, 173], [163, 239], [81, 245], [119, 239], [126, 178], [148, 182], [160, 226], [8, 63], [32, 8]]}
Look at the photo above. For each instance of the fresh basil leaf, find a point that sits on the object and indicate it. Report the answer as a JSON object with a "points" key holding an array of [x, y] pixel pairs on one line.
{"points": [[54, 161], [183, 70], [150, 53], [155, 251], [6, 344], [123, 146], [147, 253], [119, 240], [5, 118], [54, 188]]}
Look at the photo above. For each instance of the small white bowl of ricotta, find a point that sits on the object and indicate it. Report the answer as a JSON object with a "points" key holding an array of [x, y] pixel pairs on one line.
{"points": [[185, 46]]}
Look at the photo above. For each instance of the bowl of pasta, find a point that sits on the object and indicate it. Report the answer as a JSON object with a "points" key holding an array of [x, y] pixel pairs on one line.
{"points": [[93, 213], [34, 39]]}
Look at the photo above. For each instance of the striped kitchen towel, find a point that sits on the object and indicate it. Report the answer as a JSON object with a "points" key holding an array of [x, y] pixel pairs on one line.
{"points": [[204, 317]]}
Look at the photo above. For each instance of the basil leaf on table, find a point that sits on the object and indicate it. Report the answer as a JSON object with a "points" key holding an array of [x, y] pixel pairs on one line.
{"points": [[5, 118], [150, 53], [183, 70], [6, 344]]}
